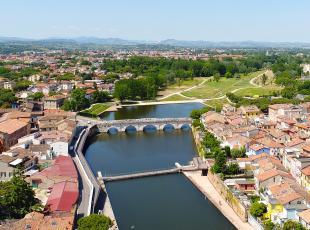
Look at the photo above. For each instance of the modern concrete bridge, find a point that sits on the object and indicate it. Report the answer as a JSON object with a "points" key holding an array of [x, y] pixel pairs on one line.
{"points": [[196, 165], [141, 124]]}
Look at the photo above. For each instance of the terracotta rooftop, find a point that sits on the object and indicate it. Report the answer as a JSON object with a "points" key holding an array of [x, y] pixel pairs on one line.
{"points": [[272, 173], [305, 215], [306, 170], [12, 125]]}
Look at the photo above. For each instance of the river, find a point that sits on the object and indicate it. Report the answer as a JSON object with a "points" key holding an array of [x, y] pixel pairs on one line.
{"points": [[162, 202]]}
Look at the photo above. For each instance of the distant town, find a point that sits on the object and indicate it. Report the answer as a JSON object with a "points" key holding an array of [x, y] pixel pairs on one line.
{"points": [[252, 132]]}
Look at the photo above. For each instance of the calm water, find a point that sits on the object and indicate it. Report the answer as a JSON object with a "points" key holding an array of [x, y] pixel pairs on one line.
{"points": [[139, 151], [168, 202], [153, 111]]}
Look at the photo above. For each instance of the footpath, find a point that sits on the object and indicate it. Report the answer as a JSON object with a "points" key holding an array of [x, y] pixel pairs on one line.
{"points": [[205, 186]]}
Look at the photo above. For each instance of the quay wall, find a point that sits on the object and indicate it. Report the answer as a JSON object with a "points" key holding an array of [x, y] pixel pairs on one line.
{"points": [[230, 198]]}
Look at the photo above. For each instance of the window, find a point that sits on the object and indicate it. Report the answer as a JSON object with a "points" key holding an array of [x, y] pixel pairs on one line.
{"points": [[3, 174], [298, 202]]}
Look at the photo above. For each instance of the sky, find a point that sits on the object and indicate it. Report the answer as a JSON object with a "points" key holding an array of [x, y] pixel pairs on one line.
{"points": [[210, 20]]}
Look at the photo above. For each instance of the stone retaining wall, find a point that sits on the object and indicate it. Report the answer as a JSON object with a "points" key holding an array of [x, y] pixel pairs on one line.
{"points": [[230, 198]]}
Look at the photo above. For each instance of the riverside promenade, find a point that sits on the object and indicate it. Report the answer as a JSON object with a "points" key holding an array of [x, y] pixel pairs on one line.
{"points": [[205, 186]]}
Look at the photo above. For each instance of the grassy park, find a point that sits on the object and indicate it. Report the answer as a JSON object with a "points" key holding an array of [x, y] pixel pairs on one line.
{"points": [[215, 89], [95, 110]]}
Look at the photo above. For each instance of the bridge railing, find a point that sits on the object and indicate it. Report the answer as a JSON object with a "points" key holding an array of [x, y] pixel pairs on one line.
{"points": [[138, 172], [146, 120]]}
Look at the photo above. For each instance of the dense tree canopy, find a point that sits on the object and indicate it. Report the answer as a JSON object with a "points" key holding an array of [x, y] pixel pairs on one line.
{"points": [[135, 89], [7, 97], [16, 198], [257, 209], [94, 222]]}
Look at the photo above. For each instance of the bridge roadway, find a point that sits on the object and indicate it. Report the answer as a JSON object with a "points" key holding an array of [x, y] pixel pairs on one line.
{"points": [[138, 124], [197, 164]]}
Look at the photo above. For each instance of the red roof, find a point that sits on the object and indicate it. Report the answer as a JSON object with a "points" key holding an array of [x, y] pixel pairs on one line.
{"points": [[63, 166], [63, 196]]}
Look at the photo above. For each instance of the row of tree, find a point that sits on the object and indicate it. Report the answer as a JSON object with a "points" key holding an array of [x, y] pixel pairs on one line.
{"points": [[79, 101]]}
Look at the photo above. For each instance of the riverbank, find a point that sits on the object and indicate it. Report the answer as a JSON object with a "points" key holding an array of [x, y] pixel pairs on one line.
{"points": [[107, 206], [205, 186]]}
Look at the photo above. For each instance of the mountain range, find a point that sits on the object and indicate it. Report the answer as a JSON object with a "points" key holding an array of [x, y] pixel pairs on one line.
{"points": [[167, 42]]}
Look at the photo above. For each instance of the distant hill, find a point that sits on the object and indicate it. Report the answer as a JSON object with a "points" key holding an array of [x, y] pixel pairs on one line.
{"points": [[15, 44]]}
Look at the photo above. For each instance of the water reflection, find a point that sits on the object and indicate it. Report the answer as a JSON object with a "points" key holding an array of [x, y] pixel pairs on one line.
{"points": [[152, 111]]}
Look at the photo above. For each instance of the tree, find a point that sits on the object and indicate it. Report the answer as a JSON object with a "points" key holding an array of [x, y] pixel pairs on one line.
{"points": [[264, 79], [227, 151], [258, 209], [77, 101], [237, 153], [37, 96], [292, 225], [219, 163], [17, 198], [269, 225], [232, 169], [217, 77], [94, 222]]}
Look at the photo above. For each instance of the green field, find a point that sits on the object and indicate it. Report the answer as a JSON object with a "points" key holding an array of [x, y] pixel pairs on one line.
{"points": [[261, 91], [175, 97], [187, 83], [95, 110], [218, 104], [213, 89]]}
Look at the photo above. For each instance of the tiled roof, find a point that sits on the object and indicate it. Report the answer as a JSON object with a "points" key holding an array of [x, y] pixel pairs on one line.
{"points": [[12, 125], [305, 215], [63, 196]]}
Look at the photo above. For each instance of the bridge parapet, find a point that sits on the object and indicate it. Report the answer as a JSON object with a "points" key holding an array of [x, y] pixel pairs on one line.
{"points": [[140, 124]]}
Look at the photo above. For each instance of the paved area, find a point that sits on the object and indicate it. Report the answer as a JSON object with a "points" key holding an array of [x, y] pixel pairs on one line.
{"points": [[85, 191], [205, 186]]}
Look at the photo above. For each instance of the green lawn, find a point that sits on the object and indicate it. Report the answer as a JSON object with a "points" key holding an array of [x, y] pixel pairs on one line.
{"points": [[261, 91], [95, 110], [175, 98], [187, 83], [218, 104], [213, 89]]}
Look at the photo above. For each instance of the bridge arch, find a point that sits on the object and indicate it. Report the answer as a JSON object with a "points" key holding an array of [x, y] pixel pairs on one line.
{"points": [[149, 128], [168, 127], [131, 128], [185, 127], [112, 130]]}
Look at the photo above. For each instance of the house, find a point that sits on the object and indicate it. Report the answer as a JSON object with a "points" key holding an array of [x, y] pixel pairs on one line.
{"points": [[54, 102], [245, 185], [258, 149], [13, 159], [250, 111], [89, 93], [270, 177], [65, 86], [305, 178], [11, 130], [304, 218], [288, 110], [9, 85], [283, 202], [51, 120], [34, 78], [37, 221], [278, 136]]}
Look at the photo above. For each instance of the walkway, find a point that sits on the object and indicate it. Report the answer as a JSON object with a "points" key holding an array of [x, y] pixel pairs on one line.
{"points": [[204, 185], [142, 174], [184, 90], [197, 164]]}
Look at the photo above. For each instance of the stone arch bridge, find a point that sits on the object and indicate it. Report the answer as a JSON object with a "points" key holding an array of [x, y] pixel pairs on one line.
{"points": [[141, 124]]}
